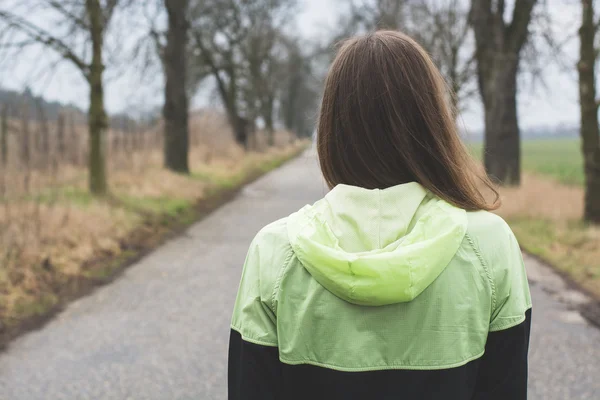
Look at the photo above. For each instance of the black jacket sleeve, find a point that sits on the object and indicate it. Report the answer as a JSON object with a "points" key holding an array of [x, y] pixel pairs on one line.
{"points": [[254, 370], [503, 368]]}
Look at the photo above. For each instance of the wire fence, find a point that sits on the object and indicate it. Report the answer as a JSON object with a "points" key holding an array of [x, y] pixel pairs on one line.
{"points": [[43, 185]]}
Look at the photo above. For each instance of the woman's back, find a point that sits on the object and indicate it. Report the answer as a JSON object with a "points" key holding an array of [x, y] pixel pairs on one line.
{"points": [[388, 287], [368, 281]]}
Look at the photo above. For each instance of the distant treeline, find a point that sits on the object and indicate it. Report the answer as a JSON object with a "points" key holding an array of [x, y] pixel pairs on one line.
{"points": [[51, 110], [16, 101]]}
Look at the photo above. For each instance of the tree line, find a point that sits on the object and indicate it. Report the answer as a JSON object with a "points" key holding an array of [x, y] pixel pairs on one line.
{"points": [[14, 100], [263, 73]]}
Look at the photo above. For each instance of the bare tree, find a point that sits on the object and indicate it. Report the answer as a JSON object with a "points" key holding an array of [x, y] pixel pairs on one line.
{"points": [[265, 59], [590, 133], [225, 35], [440, 26], [175, 110], [261, 66], [301, 89], [218, 29], [379, 14], [81, 44], [498, 52], [168, 47]]}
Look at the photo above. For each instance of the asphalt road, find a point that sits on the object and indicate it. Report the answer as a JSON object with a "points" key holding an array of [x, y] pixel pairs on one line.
{"points": [[161, 330]]}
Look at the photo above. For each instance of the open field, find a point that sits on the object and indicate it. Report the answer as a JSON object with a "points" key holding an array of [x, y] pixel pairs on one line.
{"points": [[545, 212], [557, 158]]}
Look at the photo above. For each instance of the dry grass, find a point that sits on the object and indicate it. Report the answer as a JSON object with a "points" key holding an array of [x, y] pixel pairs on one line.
{"points": [[542, 197], [546, 217], [52, 230], [51, 243]]}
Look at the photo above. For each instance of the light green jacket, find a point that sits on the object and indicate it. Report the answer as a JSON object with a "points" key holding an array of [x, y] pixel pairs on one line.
{"points": [[403, 278]]}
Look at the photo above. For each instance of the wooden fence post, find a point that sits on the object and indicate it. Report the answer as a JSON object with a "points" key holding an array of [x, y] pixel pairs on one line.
{"points": [[4, 136], [25, 136], [25, 145], [43, 134], [60, 136]]}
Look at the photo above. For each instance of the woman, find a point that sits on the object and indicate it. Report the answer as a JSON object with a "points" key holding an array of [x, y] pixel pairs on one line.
{"points": [[399, 284]]}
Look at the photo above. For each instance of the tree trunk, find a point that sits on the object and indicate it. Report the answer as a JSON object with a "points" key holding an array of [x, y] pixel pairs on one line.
{"points": [[97, 120], [498, 48], [240, 128], [175, 110], [269, 125], [289, 117], [502, 152], [270, 134], [590, 142], [229, 99], [239, 124], [4, 135]]}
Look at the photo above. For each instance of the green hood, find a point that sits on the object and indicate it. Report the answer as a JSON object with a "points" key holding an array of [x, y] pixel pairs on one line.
{"points": [[377, 247]]}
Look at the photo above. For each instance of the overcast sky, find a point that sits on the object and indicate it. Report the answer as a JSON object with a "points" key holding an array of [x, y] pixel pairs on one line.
{"points": [[556, 103]]}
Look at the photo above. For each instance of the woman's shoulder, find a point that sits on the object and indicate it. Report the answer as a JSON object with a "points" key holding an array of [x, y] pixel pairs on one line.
{"points": [[486, 226], [269, 251], [273, 236], [492, 239]]}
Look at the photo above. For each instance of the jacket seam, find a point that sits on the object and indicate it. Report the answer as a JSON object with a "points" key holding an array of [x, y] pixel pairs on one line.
{"points": [[279, 278], [433, 366], [486, 269]]}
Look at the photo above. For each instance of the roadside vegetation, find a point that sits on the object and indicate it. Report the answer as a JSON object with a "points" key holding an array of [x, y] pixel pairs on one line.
{"points": [[61, 241], [545, 210]]}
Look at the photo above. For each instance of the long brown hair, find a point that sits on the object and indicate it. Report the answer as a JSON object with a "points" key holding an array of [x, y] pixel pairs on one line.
{"points": [[385, 120]]}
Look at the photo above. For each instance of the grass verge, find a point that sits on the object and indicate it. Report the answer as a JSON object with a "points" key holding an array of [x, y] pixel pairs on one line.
{"points": [[546, 218], [82, 242], [546, 211]]}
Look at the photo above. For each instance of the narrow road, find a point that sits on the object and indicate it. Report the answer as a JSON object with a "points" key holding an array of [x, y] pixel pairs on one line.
{"points": [[161, 330]]}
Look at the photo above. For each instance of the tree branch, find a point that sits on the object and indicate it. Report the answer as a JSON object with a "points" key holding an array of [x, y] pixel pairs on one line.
{"points": [[42, 36], [56, 5], [158, 45], [213, 68], [108, 10], [516, 33]]}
